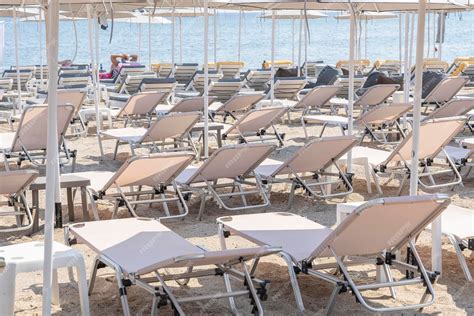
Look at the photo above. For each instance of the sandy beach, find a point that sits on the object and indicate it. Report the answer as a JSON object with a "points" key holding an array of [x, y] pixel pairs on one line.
{"points": [[454, 293]]}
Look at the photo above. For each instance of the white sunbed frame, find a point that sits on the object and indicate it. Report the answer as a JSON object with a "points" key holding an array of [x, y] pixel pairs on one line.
{"points": [[146, 171], [328, 247], [293, 171], [153, 278], [234, 163], [13, 185]]}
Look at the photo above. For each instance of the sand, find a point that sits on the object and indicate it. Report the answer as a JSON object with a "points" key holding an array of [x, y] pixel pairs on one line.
{"points": [[455, 295]]}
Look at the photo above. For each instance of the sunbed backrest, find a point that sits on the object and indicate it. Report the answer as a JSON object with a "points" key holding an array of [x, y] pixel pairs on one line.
{"points": [[151, 170], [224, 89], [184, 72], [446, 89], [288, 88], [343, 81], [166, 85], [317, 155], [318, 96], [14, 182], [32, 130], [142, 103], [6, 84], [191, 105], [241, 102], [382, 224], [256, 120], [457, 107], [133, 81], [377, 94], [434, 136], [232, 161], [384, 113], [173, 125]]}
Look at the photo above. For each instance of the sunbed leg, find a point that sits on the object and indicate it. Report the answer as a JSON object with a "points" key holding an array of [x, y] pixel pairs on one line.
{"points": [[367, 176], [388, 275], [202, 206], [292, 196], [122, 291], [244, 200], [253, 292], [293, 281], [332, 299], [304, 127], [460, 256], [165, 205], [171, 297], [402, 182], [228, 288], [116, 149], [322, 130], [376, 181], [95, 266]]}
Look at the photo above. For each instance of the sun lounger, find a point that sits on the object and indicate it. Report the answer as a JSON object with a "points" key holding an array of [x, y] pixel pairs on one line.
{"points": [[314, 100], [444, 91], [25, 75], [435, 135], [360, 66], [13, 185], [224, 89], [184, 72], [228, 167], [454, 107], [237, 105], [314, 158], [196, 83], [165, 70], [140, 106], [230, 69], [255, 123], [141, 180], [6, 84], [137, 248], [170, 132], [379, 122], [257, 79], [388, 66], [377, 229], [287, 88], [29, 140], [192, 104], [371, 97], [80, 80], [457, 223], [343, 81]]}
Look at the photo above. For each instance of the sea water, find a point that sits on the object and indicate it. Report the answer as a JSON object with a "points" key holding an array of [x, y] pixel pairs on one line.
{"points": [[328, 40]]}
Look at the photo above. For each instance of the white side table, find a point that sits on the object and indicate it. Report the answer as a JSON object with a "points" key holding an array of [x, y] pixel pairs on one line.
{"points": [[28, 257]]}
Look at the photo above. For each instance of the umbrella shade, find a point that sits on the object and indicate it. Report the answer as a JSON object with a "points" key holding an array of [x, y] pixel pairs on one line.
{"points": [[142, 19], [341, 5], [294, 15], [180, 12], [20, 13], [368, 16]]}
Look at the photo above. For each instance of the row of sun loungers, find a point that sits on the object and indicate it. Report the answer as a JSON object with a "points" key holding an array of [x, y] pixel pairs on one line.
{"points": [[164, 116]]}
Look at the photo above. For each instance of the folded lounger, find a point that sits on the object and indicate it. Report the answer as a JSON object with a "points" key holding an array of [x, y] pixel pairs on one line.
{"points": [[228, 167], [224, 89], [238, 104], [184, 72], [13, 185], [314, 158], [140, 176], [142, 251], [287, 88], [30, 139], [172, 129], [379, 122], [255, 124], [377, 229], [434, 135]]}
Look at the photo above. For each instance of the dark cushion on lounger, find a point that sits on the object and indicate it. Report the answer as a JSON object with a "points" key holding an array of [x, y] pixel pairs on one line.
{"points": [[430, 81]]}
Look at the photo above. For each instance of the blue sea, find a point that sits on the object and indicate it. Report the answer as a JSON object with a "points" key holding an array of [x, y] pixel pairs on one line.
{"points": [[329, 40]]}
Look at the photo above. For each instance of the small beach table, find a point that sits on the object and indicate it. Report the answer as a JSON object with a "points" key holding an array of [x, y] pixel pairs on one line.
{"points": [[68, 182]]}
